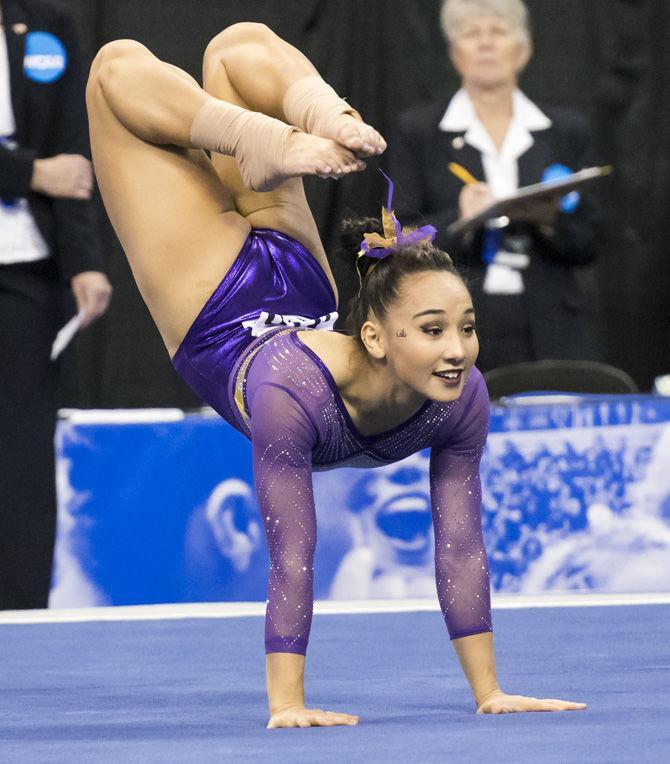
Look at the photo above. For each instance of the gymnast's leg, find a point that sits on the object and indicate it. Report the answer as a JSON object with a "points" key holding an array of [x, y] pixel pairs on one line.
{"points": [[175, 219], [248, 65], [275, 78]]}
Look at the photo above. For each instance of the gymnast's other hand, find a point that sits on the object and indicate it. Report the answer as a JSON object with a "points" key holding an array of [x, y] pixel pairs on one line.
{"points": [[299, 716], [499, 702], [92, 293]]}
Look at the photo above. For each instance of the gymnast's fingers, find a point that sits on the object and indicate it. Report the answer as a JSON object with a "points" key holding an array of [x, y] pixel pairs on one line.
{"points": [[340, 718], [566, 705]]}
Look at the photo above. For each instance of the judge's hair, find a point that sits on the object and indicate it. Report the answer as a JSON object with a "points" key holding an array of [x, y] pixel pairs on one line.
{"points": [[514, 12]]}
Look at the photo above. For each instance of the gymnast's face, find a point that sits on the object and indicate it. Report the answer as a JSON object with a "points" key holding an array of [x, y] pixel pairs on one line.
{"points": [[428, 335], [487, 51]]}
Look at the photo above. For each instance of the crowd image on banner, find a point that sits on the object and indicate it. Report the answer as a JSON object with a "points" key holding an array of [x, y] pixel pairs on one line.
{"points": [[563, 508]]}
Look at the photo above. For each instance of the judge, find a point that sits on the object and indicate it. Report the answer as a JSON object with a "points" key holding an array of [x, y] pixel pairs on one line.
{"points": [[522, 268]]}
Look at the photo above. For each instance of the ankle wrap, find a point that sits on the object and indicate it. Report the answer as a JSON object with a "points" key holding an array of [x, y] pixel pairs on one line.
{"points": [[255, 140], [312, 105]]}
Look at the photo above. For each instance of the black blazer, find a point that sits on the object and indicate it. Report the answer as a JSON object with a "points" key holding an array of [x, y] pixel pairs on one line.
{"points": [[50, 119], [561, 321]]}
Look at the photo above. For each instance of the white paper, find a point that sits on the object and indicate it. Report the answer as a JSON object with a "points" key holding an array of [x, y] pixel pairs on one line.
{"points": [[501, 279], [66, 334]]}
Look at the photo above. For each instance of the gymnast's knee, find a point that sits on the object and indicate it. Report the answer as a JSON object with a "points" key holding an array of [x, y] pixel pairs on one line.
{"points": [[112, 59], [240, 34]]}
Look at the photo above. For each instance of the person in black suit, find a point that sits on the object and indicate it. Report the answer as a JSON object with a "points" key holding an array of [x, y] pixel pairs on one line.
{"points": [[47, 241], [521, 269]]}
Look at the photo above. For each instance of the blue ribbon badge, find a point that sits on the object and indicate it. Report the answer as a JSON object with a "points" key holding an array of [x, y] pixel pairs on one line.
{"points": [[569, 202], [45, 58]]}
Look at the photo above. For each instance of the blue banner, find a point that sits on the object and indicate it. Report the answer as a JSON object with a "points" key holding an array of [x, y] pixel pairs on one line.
{"points": [[576, 496]]}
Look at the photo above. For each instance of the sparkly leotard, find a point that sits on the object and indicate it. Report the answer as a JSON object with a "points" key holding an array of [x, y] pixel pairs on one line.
{"points": [[281, 395]]}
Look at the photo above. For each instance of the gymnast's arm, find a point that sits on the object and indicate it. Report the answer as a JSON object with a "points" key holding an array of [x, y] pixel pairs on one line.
{"points": [[283, 436], [461, 566]]}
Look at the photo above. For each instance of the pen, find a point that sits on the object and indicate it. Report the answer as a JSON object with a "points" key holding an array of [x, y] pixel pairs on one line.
{"points": [[462, 174]]}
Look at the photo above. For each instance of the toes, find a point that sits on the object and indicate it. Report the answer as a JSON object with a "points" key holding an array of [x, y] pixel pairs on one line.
{"points": [[346, 162], [359, 138], [353, 141]]}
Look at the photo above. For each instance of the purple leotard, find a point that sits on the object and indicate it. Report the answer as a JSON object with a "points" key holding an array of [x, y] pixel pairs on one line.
{"points": [[273, 282], [281, 395]]}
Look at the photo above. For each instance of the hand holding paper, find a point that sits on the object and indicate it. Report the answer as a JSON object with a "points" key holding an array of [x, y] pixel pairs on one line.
{"points": [[66, 334], [92, 293]]}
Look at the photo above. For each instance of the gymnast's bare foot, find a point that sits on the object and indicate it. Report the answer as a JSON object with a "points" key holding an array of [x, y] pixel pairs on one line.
{"points": [[306, 154], [299, 716], [350, 131], [313, 106]]}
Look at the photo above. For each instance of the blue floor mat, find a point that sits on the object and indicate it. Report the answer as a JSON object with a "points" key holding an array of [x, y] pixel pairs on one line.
{"points": [[193, 690]]}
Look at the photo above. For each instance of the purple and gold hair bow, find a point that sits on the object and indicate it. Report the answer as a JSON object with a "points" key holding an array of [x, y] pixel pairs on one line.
{"points": [[378, 247]]}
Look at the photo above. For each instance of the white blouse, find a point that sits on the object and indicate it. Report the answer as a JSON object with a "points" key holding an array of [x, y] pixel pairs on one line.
{"points": [[20, 238], [501, 169]]}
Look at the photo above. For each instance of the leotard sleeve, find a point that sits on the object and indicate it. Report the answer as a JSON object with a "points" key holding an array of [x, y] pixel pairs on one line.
{"points": [[461, 565], [283, 436]]}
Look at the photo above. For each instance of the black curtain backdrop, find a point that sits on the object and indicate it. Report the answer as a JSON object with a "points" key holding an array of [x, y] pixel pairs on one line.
{"points": [[608, 58]]}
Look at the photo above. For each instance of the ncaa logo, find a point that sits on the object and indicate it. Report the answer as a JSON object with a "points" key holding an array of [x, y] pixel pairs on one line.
{"points": [[45, 58]]}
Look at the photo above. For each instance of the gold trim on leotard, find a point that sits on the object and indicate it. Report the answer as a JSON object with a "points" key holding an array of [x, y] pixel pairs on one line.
{"points": [[241, 376]]}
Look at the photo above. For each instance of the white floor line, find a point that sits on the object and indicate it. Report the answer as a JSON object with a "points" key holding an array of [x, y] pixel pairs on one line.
{"points": [[321, 607]]}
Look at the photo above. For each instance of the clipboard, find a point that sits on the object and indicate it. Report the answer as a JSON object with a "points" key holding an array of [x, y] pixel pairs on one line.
{"points": [[501, 207]]}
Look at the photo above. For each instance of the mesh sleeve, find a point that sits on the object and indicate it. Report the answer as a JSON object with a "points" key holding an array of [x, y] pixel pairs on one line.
{"points": [[461, 565], [282, 440]]}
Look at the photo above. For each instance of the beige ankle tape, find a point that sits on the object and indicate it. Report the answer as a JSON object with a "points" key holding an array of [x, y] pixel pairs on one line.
{"points": [[312, 105], [255, 140]]}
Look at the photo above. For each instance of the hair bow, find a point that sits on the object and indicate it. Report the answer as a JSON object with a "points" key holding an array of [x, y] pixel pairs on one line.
{"points": [[395, 236]]}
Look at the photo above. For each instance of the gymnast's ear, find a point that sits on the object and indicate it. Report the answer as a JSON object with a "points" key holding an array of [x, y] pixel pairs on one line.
{"points": [[372, 337]]}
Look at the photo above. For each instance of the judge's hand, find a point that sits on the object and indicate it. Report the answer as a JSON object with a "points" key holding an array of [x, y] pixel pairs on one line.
{"points": [[474, 198], [92, 293], [499, 702], [539, 211], [64, 176]]}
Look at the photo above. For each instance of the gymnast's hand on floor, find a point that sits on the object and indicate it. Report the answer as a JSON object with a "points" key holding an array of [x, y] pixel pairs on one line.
{"points": [[499, 702], [299, 716]]}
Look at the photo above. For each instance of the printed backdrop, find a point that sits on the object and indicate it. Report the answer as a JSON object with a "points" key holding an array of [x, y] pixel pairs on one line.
{"points": [[576, 496]]}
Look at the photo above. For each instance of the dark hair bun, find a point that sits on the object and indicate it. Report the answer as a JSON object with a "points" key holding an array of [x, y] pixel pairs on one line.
{"points": [[380, 284]]}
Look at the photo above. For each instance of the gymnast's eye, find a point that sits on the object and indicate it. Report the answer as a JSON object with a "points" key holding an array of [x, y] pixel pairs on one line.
{"points": [[469, 329], [434, 331]]}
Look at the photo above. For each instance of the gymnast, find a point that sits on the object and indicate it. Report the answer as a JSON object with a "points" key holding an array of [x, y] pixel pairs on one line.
{"points": [[227, 257]]}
